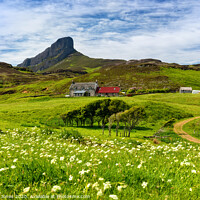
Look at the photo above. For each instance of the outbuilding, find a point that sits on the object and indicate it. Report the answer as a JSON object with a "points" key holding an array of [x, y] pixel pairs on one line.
{"points": [[185, 90]]}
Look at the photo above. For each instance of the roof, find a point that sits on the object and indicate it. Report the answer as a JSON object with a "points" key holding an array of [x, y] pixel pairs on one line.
{"points": [[185, 88], [108, 90], [83, 86]]}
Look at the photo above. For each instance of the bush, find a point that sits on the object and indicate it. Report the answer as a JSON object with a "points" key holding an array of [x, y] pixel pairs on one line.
{"points": [[71, 134]]}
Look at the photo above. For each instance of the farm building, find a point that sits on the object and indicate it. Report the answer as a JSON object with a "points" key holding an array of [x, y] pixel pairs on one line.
{"points": [[83, 89], [108, 91], [185, 90], [195, 91]]}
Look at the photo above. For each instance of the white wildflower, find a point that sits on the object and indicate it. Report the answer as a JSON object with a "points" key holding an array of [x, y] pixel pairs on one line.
{"points": [[107, 185], [190, 189], [113, 196], [119, 188], [139, 166], [13, 167], [99, 193], [53, 161], [25, 190], [72, 158], [88, 185], [55, 188], [70, 178], [95, 185], [144, 184], [101, 179], [62, 158], [15, 160], [194, 171]]}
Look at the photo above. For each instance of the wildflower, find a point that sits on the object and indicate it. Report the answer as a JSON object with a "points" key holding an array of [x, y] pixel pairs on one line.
{"points": [[25, 190], [144, 184], [95, 185], [53, 161], [15, 160], [99, 193], [3, 169], [13, 167], [70, 178], [194, 171], [169, 180], [88, 185], [72, 158], [55, 188], [101, 179], [61, 158], [113, 196], [107, 185], [119, 188], [83, 172], [88, 164], [139, 166], [190, 189]]}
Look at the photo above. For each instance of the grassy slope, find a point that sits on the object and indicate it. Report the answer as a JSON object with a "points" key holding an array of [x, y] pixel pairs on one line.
{"points": [[80, 62], [193, 128], [146, 77], [42, 111]]}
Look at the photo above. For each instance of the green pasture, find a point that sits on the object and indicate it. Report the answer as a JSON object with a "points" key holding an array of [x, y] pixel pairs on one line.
{"points": [[21, 111], [193, 128]]}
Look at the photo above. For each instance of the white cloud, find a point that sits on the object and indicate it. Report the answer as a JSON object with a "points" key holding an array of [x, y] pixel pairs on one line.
{"points": [[126, 29]]}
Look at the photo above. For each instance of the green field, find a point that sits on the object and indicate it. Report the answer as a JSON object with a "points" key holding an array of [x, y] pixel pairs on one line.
{"points": [[193, 128], [38, 158]]}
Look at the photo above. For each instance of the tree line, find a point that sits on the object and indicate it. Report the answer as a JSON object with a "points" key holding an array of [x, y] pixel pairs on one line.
{"points": [[115, 112]]}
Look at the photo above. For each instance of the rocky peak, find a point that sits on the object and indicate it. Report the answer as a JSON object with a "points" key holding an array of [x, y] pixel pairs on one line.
{"points": [[58, 51]]}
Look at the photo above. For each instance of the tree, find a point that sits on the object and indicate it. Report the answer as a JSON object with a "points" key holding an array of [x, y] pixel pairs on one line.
{"points": [[132, 116], [103, 113]]}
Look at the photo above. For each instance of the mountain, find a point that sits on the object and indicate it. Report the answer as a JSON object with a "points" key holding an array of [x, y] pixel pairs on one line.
{"points": [[58, 51], [61, 57]]}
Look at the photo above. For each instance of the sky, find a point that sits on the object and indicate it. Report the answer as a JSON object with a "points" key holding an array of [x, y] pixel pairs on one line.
{"points": [[168, 30]]}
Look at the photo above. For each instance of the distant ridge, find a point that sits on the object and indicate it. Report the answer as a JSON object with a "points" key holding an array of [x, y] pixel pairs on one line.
{"points": [[58, 51]]}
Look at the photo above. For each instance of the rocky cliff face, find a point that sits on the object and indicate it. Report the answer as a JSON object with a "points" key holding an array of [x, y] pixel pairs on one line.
{"points": [[58, 51]]}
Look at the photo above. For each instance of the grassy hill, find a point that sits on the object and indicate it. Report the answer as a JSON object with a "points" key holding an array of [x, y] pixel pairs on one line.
{"points": [[145, 74], [80, 62]]}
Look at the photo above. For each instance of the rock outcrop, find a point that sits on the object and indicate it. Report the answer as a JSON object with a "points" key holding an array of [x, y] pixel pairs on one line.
{"points": [[58, 51]]}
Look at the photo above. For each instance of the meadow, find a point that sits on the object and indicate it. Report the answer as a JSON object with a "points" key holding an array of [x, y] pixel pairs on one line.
{"points": [[39, 158]]}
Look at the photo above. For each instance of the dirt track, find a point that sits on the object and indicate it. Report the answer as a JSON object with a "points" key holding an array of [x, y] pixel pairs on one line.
{"points": [[178, 128]]}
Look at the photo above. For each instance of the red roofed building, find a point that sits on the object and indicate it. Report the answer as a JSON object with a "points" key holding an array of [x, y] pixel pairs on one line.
{"points": [[108, 91]]}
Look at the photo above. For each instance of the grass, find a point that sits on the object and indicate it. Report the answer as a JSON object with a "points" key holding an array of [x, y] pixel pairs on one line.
{"points": [[193, 128], [39, 156], [35, 162]]}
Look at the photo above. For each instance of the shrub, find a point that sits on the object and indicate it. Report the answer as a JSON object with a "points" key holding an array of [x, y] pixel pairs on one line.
{"points": [[71, 134]]}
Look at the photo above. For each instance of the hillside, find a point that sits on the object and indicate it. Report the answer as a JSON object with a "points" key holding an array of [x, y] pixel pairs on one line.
{"points": [[146, 74], [79, 62]]}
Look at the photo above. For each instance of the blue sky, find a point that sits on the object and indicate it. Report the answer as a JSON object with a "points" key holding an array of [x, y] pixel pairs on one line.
{"points": [[124, 29]]}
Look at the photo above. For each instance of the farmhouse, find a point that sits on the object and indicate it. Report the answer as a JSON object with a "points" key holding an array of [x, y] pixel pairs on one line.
{"points": [[108, 91], [83, 89], [185, 90]]}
